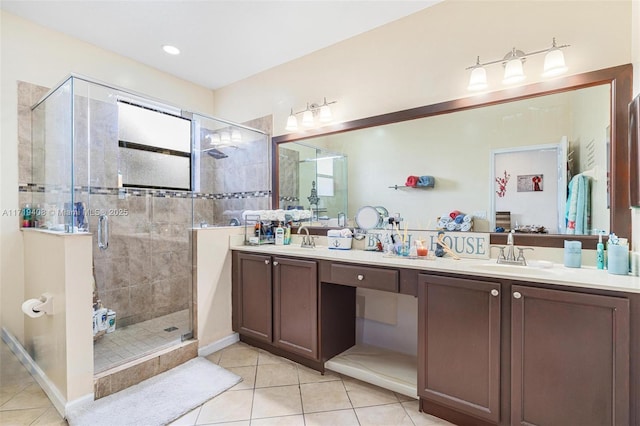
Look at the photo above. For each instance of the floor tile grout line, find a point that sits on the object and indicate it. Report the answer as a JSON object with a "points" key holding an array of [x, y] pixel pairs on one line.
{"points": [[38, 418], [304, 420], [407, 414], [253, 391], [350, 402]]}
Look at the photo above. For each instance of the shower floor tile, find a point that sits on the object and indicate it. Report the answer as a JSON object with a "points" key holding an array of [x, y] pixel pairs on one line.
{"points": [[137, 340]]}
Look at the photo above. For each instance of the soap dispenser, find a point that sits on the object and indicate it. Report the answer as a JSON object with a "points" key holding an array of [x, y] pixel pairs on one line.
{"points": [[600, 252], [279, 235]]}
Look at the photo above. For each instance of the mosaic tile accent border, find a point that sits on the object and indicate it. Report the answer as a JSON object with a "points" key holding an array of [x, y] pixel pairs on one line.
{"points": [[289, 199], [142, 192]]}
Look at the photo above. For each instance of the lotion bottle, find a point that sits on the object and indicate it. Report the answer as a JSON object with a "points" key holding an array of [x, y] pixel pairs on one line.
{"points": [[600, 253], [279, 235]]}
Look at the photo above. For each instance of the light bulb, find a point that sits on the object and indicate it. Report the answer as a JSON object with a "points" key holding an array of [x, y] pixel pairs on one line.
{"points": [[225, 138], [325, 112], [554, 63], [215, 138], [513, 72], [307, 117], [292, 122], [478, 79], [171, 50]]}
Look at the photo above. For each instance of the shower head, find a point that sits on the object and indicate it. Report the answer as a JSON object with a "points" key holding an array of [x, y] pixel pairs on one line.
{"points": [[216, 153]]}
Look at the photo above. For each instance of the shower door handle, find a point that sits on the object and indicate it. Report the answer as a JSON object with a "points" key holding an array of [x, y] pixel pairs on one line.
{"points": [[103, 232]]}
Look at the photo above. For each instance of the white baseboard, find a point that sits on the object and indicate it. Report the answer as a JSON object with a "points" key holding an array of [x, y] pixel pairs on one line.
{"points": [[219, 344], [58, 401]]}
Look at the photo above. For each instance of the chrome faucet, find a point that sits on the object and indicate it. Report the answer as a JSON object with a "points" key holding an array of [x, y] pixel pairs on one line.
{"points": [[510, 258], [307, 240]]}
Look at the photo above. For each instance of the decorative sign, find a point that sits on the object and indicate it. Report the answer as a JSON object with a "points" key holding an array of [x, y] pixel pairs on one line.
{"points": [[530, 183], [473, 245]]}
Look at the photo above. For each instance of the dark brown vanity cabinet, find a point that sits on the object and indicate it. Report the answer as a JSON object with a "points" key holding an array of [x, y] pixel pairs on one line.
{"points": [[295, 306], [253, 294], [510, 354], [459, 344], [275, 301], [569, 358]]}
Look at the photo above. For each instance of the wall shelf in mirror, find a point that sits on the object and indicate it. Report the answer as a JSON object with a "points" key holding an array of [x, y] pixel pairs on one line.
{"points": [[396, 187], [617, 83]]}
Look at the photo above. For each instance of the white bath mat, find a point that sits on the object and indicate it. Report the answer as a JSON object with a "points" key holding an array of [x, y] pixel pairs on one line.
{"points": [[158, 400]]}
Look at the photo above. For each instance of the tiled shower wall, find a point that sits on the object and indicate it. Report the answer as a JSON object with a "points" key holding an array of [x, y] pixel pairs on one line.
{"points": [[242, 181], [289, 194], [147, 270]]}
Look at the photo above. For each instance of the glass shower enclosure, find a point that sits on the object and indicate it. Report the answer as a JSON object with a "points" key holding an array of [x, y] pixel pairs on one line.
{"points": [[101, 165], [315, 178]]}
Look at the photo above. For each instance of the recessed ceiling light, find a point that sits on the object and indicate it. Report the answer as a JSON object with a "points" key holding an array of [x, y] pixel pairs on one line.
{"points": [[171, 50]]}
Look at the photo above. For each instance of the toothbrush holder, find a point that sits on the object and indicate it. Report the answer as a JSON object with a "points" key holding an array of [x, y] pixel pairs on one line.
{"points": [[618, 259]]}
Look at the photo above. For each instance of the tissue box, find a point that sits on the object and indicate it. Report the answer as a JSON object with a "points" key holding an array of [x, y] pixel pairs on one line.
{"points": [[339, 243]]}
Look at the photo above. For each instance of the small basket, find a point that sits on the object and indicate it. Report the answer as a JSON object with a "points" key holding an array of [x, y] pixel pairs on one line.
{"points": [[340, 243]]}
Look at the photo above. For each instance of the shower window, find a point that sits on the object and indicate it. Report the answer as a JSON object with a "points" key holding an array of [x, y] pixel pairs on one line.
{"points": [[155, 148]]}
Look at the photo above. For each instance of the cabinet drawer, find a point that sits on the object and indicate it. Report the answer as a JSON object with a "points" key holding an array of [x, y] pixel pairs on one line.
{"points": [[361, 276]]}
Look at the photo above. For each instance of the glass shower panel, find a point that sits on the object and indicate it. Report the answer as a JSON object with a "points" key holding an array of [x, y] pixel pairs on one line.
{"points": [[231, 171], [307, 172], [142, 252], [51, 160]]}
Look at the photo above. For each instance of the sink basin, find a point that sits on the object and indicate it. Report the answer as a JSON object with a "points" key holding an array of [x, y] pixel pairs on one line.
{"points": [[297, 247], [512, 269]]}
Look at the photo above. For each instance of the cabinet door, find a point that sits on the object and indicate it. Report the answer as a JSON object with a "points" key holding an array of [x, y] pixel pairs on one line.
{"points": [[569, 358], [296, 306], [459, 344], [253, 304]]}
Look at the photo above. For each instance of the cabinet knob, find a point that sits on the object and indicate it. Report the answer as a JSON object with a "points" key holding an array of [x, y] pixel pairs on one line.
{"points": [[494, 292], [517, 295], [266, 261], [360, 277], [275, 263]]}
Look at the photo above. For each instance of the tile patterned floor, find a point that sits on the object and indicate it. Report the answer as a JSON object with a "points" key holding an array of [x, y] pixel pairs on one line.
{"points": [[274, 391], [136, 340], [22, 402]]}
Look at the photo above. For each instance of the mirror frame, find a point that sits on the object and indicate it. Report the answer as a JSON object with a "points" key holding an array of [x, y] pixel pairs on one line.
{"points": [[619, 77]]}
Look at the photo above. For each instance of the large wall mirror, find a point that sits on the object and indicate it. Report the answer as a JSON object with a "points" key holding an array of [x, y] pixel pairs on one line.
{"points": [[455, 142]]}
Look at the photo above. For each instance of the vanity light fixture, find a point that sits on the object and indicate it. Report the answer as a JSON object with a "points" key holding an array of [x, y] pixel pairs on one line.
{"points": [[513, 62], [323, 111], [224, 137], [214, 139]]}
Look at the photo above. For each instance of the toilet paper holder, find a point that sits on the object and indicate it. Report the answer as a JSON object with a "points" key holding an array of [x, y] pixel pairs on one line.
{"points": [[46, 306]]}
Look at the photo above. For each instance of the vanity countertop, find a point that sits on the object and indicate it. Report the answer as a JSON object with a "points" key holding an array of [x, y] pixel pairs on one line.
{"points": [[585, 277]]}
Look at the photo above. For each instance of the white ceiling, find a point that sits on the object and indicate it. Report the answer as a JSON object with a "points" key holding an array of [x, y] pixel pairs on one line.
{"points": [[220, 41]]}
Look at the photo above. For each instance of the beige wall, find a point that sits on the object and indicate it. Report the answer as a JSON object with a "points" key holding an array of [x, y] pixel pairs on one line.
{"points": [[61, 343], [37, 55], [421, 59]]}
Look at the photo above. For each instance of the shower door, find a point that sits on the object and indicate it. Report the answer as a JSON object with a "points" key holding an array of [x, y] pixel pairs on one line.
{"points": [[137, 204]]}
